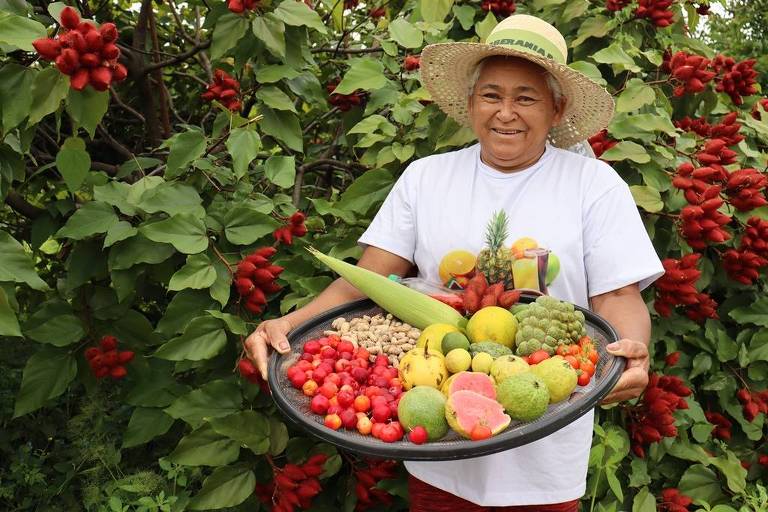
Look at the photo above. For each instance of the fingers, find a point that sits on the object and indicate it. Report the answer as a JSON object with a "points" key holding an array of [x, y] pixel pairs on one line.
{"points": [[276, 336], [631, 385], [256, 348], [628, 348]]}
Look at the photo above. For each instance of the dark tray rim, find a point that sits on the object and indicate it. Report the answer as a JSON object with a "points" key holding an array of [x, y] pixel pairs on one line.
{"points": [[405, 450]]}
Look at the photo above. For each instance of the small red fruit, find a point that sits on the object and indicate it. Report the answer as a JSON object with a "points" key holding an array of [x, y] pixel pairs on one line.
{"points": [[309, 388], [319, 404], [418, 435], [348, 418], [364, 425], [69, 18], [381, 413], [584, 378], [118, 372], [362, 403], [108, 342], [480, 432], [332, 421], [390, 434], [537, 357]]}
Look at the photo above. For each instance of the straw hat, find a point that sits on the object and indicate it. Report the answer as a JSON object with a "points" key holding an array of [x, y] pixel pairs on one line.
{"points": [[446, 70]]}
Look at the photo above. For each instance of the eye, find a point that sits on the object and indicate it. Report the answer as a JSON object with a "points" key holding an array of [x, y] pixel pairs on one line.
{"points": [[491, 96], [526, 100]]}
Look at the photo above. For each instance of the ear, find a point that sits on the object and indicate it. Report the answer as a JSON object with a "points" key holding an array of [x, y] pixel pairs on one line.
{"points": [[559, 111]]}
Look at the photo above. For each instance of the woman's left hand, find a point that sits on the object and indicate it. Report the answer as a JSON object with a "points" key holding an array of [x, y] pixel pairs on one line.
{"points": [[635, 377]]}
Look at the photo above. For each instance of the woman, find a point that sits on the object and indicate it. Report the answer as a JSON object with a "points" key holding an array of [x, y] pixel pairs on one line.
{"points": [[524, 104]]}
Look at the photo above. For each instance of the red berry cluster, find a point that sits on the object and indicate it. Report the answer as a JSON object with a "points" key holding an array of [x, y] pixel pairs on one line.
{"points": [[479, 294], [249, 372], [84, 53], [673, 501], [293, 485], [656, 10], [240, 6], [293, 227], [689, 69], [651, 419], [616, 5], [744, 264], [377, 12], [255, 278], [722, 425], [753, 403], [347, 390], [678, 284], [738, 78], [368, 495], [701, 221], [755, 112], [225, 89], [601, 143], [745, 189], [412, 62], [672, 359], [499, 7], [727, 129], [343, 102], [763, 460], [107, 360], [715, 153]]}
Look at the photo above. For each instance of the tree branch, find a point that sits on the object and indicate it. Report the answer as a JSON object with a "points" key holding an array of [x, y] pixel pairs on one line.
{"points": [[114, 143], [20, 205], [179, 58]]}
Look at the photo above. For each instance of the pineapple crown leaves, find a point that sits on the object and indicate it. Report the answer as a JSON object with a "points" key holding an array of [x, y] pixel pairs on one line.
{"points": [[496, 231]]}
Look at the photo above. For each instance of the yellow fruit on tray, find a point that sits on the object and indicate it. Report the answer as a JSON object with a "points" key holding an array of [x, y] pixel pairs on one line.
{"points": [[558, 375], [458, 360], [505, 366], [482, 362], [423, 366], [434, 334], [493, 323]]}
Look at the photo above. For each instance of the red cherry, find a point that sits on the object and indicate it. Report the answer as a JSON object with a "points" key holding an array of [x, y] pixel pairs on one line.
{"points": [[381, 413], [480, 432], [332, 421], [319, 404], [418, 435]]}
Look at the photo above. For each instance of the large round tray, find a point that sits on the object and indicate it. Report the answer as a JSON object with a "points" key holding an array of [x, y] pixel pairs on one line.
{"points": [[295, 405]]}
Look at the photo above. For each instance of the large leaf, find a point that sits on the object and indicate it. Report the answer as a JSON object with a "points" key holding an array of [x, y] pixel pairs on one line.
{"points": [[367, 191], [273, 97], [271, 31], [284, 126], [184, 306], [220, 289], [435, 10], [14, 106], [244, 225], [20, 31], [635, 95], [138, 249], [644, 501], [198, 273], [185, 232], [647, 198], [243, 144], [73, 162], [249, 428], [146, 423], [87, 107], [484, 27], [171, 198], [49, 88], [203, 338], [365, 74], [627, 150], [701, 484], [616, 56], [205, 447], [281, 170], [60, 330], [756, 313], [185, 148], [116, 194], [16, 265], [93, 218], [226, 487], [229, 29], [46, 375], [299, 14], [405, 34], [213, 400], [593, 26], [9, 325]]}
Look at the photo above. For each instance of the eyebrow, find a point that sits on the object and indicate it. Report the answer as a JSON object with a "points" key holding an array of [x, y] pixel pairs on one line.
{"points": [[521, 88]]}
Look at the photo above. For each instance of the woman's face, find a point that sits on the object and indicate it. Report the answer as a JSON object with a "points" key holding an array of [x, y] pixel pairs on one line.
{"points": [[511, 110]]}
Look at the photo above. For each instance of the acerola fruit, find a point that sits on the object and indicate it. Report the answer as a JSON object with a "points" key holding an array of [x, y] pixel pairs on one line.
{"points": [[309, 388], [125, 356], [418, 435], [584, 378], [118, 372], [390, 434], [332, 421], [364, 425], [319, 404], [69, 18], [362, 403], [480, 432]]}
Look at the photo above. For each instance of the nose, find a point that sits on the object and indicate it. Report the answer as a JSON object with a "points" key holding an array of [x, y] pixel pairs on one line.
{"points": [[507, 110]]}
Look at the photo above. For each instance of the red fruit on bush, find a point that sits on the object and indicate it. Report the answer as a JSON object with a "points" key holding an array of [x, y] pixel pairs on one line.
{"points": [[672, 358], [47, 48], [125, 356], [92, 352], [70, 19], [412, 62], [108, 342], [79, 79], [118, 372], [100, 78], [110, 51], [89, 60]]}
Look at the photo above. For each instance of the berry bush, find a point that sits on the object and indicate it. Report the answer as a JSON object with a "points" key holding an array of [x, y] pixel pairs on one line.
{"points": [[164, 165]]}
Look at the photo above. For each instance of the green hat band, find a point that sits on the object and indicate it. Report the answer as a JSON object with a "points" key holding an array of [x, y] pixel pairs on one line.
{"points": [[525, 41]]}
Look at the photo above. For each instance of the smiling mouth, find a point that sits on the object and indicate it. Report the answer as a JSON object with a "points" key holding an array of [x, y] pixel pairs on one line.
{"points": [[506, 132]]}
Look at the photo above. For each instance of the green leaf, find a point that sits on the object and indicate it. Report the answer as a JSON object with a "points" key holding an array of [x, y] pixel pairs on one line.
{"points": [[93, 218], [235, 324], [15, 107], [403, 152], [619, 59], [60, 331], [701, 484], [146, 423], [220, 289], [9, 325], [647, 198], [756, 313], [271, 31], [281, 170], [635, 95], [244, 225], [20, 31], [734, 472], [87, 107], [593, 26], [639, 474], [203, 338], [213, 400], [466, 15], [405, 34], [613, 482], [485, 27], [641, 126], [435, 10], [627, 150], [74, 162], [275, 98], [249, 428], [185, 232], [205, 447], [138, 249], [186, 147], [49, 88], [243, 145], [364, 74], [373, 123], [299, 14], [198, 273], [171, 198], [590, 70], [701, 364], [283, 126], [184, 306], [46, 375], [644, 501], [367, 191], [275, 73], [16, 265], [278, 436], [226, 487], [115, 193], [758, 347], [229, 29]]}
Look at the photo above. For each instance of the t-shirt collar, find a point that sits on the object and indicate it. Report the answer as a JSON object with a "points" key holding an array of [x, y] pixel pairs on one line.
{"points": [[493, 173]]}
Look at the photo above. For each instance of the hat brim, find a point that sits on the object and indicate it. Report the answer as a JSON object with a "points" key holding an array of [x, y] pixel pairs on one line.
{"points": [[445, 72]]}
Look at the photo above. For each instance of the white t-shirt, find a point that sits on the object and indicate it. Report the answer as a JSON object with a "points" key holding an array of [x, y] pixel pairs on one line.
{"points": [[579, 209]]}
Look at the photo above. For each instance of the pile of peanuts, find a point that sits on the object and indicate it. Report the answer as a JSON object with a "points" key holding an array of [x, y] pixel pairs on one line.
{"points": [[379, 334]]}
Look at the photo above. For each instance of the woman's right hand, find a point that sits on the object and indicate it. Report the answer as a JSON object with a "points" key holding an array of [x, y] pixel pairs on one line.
{"points": [[269, 333]]}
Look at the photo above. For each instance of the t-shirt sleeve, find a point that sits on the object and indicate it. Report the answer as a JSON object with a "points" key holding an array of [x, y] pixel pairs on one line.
{"points": [[617, 249], [394, 226]]}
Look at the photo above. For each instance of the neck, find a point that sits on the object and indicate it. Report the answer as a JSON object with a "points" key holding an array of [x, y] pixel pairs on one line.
{"points": [[508, 166]]}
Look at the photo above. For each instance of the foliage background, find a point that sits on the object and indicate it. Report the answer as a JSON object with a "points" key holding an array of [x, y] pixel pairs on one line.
{"points": [[123, 210]]}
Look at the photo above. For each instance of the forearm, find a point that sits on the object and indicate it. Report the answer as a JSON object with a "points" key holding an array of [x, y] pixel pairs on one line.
{"points": [[626, 312]]}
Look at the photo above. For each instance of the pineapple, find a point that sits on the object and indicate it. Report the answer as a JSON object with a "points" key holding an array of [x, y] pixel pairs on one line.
{"points": [[495, 261]]}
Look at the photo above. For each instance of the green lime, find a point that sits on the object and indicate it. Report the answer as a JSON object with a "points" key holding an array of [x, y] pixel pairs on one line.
{"points": [[454, 340]]}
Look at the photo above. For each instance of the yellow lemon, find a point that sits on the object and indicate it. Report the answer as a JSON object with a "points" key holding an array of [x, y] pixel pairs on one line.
{"points": [[493, 323], [482, 362], [458, 360], [433, 335]]}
